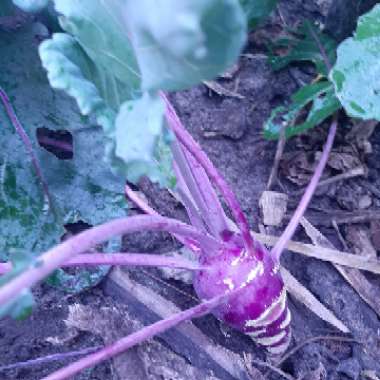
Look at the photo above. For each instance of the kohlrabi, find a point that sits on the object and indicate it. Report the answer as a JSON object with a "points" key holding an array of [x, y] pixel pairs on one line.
{"points": [[236, 278]]}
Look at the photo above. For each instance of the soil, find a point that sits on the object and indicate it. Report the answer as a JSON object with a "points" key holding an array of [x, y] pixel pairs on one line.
{"points": [[230, 131]]}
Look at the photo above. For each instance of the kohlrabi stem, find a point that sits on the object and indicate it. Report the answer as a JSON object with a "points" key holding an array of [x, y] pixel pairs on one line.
{"points": [[304, 202], [62, 145], [188, 201], [216, 214], [207, 209], [5, 267], [131, 195], [26, 141], [143, 206], [193, 147], [49, 358], [124, 258], [55, 257], [140, 336]]}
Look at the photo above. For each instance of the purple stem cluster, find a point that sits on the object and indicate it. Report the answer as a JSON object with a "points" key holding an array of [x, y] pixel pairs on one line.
{"points": [[57, 256], [200, 156]]}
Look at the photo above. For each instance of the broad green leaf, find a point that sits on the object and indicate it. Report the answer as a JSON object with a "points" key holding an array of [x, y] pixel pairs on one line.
{"points": [[323, 104], [368, 25], [6, 8], [100, 29], [81, 189], [181, 43], [98, 92], [20, 307], [357, 69], [257, 10], [83, 278], [305, 45], [136, 145], [31, 5]]}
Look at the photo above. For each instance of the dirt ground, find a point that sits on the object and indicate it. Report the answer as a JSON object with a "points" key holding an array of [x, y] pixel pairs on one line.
{"points": [[229, 129]]}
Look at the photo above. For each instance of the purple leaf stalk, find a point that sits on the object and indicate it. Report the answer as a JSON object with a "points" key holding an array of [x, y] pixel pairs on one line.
{"points": [[26, 141], [237, 279]]}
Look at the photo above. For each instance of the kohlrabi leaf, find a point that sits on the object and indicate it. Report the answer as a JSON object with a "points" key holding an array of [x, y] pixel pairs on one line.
{"points": [[100, 29], [174, 45], [31, 5], [136, 145], [99, 93], [81, 189], [6, 8], [181, 43], [306, 44], [257, 10], [96, 65], [357, 69], [292, 117], [21, 306]]}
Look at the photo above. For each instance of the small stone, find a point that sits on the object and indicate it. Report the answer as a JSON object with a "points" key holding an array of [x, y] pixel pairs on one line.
{"points": [[365, 201]]}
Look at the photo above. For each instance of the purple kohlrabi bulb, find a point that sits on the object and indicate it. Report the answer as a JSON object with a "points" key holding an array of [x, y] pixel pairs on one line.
{"points": [[260, 309]]}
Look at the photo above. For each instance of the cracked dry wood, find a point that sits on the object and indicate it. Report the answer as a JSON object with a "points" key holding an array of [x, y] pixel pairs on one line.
{"points": [[222, 361]]}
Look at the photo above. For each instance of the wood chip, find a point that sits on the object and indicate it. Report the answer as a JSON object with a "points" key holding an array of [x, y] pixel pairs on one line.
{"points": [[222, 91], [273, 207], [227, 360], [150, 359], [354, 277], [299, 292]]}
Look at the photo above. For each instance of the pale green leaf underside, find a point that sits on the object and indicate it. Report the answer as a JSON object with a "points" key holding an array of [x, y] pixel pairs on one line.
{"points": [[176, 47], [357, 70], [180, 43], [100, 29], [31, 5]]}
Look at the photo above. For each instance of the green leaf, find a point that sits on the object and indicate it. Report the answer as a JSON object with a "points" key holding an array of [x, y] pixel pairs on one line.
{"points": [[98, 92], [6, 8], [136, 145], [323, 104], [303, 46], [357, 69], [31, 5], [81, 189], [257, 10], [100, 30], [178, 44], [20, 307]]}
